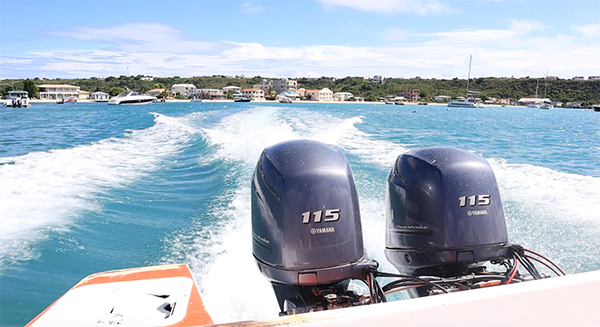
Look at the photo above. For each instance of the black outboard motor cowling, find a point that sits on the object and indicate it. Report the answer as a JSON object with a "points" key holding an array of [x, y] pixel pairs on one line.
{"points": [[306, 228], [443, 213]]}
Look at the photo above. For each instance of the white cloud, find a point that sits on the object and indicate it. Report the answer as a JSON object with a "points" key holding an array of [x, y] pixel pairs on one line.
{"points": [[250, 8], [15, 61], [147, 37], [526, 26], [395, 34], [589, 30], [513, 51], [421, 7]]}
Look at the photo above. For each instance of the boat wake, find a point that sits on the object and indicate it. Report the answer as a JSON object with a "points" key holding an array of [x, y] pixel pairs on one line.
{"points": [[222, 257], [47, 192]]}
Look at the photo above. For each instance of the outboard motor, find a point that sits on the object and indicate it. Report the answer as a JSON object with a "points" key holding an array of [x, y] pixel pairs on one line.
{"points": [[306, 229], [443, 213]]}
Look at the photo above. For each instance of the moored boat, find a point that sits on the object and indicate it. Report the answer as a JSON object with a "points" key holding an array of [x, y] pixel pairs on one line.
{"points": [[462, 103], [130, 97], [469, 101], [242, 99], [17, 99], [69, 100]]}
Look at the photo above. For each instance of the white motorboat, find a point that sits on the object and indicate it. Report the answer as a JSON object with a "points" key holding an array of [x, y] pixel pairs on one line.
{"points": [[132, 97], [17, 99], [465, 103]]}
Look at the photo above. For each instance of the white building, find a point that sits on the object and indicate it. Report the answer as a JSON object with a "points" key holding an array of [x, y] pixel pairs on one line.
{"points": [[183, 89], [84, 95], [282, 85], [235, 89], [442, 98], [342, 96], [206, 94], [53, 91], [254, 94], [377, 79], [99, 96], [320, 95], [285, 85]]}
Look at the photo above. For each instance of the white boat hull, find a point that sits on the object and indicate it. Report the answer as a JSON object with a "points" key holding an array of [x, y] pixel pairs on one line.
{"points": [[146, 297], [131, 98]]}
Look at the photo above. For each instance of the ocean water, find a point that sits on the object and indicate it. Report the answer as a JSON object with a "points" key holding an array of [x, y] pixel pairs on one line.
{"points": [[89, 187]]}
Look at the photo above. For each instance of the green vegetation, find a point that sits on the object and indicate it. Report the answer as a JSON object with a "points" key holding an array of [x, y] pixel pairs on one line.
{"points": [[561, 90], [31, 88]]}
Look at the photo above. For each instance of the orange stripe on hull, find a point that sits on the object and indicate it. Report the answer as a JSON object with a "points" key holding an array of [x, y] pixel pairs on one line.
{"points": [[196, 314]]}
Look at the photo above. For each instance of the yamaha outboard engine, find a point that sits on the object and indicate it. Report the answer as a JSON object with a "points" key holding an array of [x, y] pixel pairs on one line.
{"points": [[443, 213], [306, 229]]}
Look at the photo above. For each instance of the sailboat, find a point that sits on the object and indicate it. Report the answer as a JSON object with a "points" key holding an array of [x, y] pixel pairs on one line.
{"points": [[468, 102], [546, 105], [536, 104], [544, 102]]}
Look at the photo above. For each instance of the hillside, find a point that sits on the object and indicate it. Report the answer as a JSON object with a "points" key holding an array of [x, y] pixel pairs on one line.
{"points": [[585, 92]]}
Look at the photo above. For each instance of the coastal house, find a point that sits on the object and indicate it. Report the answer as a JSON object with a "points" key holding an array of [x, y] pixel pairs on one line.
{"points": [[377, 79], [99, 96], [320, 95], [412, 95], [342, 96], [235, 89], [84, 95], [492, 100], [183, 89], [285, 85], [155, 92], [253, 93], [212, 94], [301, 92], [442, 98], [281, 85], [54, 91]]}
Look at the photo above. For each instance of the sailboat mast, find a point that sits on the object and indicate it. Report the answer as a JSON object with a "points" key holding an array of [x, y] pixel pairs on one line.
{"points": [[469, 75], [546, 83]]}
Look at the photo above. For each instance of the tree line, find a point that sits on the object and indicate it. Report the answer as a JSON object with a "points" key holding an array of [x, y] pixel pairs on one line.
{"points": [[585, 92]]}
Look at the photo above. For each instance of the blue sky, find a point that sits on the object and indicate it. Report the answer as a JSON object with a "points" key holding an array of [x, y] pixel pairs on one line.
{"points": [[299, 38]]}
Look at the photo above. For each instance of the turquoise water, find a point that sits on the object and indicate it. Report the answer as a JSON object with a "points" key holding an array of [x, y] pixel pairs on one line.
{"points": [[90, 187]]}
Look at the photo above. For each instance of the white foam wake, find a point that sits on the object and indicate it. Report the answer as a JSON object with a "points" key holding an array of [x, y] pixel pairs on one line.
{"points": [[44, 192], [241, 138], [223, 257]]}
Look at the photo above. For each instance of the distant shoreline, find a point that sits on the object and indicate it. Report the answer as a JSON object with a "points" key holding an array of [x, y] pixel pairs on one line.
{"points": [[232, 101], [270, 101]]}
